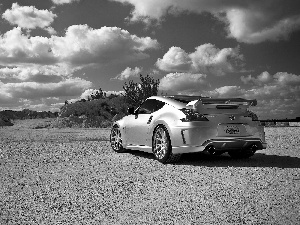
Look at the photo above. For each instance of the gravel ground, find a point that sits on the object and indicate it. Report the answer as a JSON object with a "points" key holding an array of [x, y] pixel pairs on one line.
{"points": [[71, 176]]}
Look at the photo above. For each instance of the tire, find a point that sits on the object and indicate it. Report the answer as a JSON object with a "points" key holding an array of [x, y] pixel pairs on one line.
{"points": [[116, 140], [161, 146]]}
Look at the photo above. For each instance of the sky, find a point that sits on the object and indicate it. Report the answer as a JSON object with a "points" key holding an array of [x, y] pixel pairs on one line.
{"points": [[57, 50]]}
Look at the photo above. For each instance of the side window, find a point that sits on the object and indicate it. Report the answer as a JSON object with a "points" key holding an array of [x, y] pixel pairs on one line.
{"points": [[147, 107], [150, 106], [159, 105]]}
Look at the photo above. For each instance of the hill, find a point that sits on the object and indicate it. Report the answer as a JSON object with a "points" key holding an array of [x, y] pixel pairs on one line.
{"points": [[92, 113]]}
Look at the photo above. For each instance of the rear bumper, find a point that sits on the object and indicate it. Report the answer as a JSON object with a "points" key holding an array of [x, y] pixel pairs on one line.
{"points": [[222, 144], [235, 143]]}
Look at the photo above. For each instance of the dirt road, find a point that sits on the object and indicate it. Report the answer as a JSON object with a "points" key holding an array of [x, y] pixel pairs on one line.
{"points": [[71, 176]]}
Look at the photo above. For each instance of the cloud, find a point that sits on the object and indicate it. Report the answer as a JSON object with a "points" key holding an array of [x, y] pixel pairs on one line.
{"points": [[29, 17], [34, 90], [81, 46], [154, 72], [108, 93], [40, 74], [206, 59], [84, 45], [177, 82], [128, 72], [42, 104], [17, 49], [287, 79], [258, 25], [226, 92], [280, 79], [61, 2], [176, 59], [50, 30], [40, 67], [247, 21], [87, 93], [277, 94], [5, 97], [261, 79], [267, 87]]}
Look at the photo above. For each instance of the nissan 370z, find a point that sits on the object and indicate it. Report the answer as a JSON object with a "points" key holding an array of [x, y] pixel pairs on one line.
{"points": [[169, 126]]}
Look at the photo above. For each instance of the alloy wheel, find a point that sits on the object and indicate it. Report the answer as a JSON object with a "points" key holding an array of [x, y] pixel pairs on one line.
{"points": [[161, 143], [116, 140]]}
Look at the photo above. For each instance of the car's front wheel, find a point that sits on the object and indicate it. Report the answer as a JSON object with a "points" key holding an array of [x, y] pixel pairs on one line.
{"points": [[116, 140], [161, 146]]}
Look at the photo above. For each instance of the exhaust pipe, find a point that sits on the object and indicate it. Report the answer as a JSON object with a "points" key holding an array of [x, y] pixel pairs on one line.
{"points": [[211, 150], [252, 149]]}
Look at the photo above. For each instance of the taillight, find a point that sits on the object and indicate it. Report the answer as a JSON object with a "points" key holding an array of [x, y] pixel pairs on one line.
{"points": [[192, 115]]}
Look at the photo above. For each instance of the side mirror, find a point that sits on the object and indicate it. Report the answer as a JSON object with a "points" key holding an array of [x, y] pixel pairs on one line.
{"points": [[130, 111]]}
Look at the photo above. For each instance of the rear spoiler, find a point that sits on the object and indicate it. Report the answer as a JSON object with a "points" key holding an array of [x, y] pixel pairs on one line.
{"points": [[208, 100], [238, 101]]}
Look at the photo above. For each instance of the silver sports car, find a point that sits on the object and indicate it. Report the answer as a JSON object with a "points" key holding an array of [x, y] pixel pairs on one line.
{"points": [[169, 126]]}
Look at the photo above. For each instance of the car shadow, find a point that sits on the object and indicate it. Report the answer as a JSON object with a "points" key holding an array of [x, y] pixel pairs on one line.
{"points": [[140, 154], [258, 160]]}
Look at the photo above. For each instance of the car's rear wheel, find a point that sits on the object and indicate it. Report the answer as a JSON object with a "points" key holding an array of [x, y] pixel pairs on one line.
{"points": [[161, 146], [116, 140]]}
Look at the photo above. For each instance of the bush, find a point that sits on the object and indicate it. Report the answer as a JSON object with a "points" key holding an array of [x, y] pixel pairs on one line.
{"points": [[94, 113], [99, 107], [82, 122]]}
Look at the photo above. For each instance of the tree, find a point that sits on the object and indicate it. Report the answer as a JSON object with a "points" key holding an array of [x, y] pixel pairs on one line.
{"points": [[98, 95], [136, 93]]}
